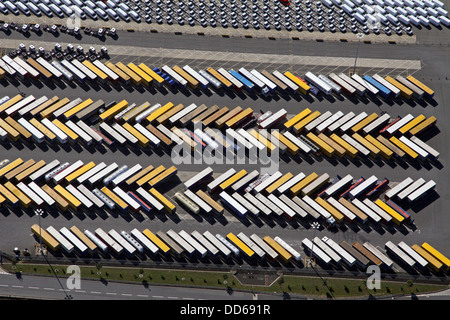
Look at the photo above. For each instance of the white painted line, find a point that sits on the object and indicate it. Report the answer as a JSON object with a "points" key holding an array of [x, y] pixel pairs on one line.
{"points": [[16, 286], [51, 289], [126, 294], [158, 297], [33, 288], [95, 292]]}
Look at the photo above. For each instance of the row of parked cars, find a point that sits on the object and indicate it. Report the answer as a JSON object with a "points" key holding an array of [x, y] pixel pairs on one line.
{"points": [[309, 15]]}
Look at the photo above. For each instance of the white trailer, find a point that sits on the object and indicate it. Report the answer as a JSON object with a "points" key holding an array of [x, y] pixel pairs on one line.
{"points": [[396, 126], [213, 185], [346, 257], [432, 153], [30, 194], [294, 206], [41, 172], [82, 248], [365, 84], [360, 90], [91, 196], [366, 210], [333, 85], [99, 243], [270, 253], [421, 262], [218, 244], [410, 189], [398, 188], [81, 197], [299, 143], [421, 192], [248, 242], [201, 250], [317, 82], [313, 124], [283, 206], [380, 255], [350, 216], [291, 182], [262, 186], [397, 252], [257, 203], [277, 211], [65, 244], [153, 249], [297, 256], [41, 193], [322, 245], [316, 251], [359, 189], [335, 187], [91, 172], [213, 251], [378, 210], [347, 125], [129, 249], [341, 122], [377, 123], [324, 125]]}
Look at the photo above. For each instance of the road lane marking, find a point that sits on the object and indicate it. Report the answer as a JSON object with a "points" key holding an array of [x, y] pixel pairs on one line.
{"points": [[96, 292], [142, 295], [16, 286], [126, 294], [33, 288], [158, 297], [50, 289]]}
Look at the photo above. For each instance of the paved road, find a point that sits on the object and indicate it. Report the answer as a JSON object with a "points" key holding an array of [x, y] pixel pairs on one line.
{"points": [[56, 288]]}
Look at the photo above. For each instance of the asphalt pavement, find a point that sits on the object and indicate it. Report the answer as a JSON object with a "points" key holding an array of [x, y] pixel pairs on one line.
{"points": [[431, 222]]}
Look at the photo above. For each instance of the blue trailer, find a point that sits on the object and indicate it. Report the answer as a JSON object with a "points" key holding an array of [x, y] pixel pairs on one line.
{"points": [[166, 77], [383, 91], [247, 84]]}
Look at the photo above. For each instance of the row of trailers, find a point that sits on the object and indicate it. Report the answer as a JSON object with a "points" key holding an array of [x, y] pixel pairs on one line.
{"points": [[292, 196], [262, 82], [130, 119], [75, 186], [362, 134], [206, 246], [361, 255], [27, 183], [71, 123], [182, 244]]}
